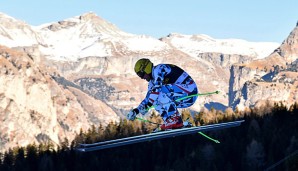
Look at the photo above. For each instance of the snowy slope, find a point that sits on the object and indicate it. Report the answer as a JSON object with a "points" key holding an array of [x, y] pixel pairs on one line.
{"points": [[195, 44], [16, 33], [89, 35]]}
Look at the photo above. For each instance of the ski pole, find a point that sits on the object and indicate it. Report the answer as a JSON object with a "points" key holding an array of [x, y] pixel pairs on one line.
{"points": [[206, 136], [144, 120], [182, 98], [199, 94]]}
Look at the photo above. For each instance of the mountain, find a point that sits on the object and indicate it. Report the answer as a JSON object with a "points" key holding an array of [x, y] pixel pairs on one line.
{"points": [[89, 35], [194, 45], [35, 108], [274, 78], [16, 33], [81, 73], [88, 49]]}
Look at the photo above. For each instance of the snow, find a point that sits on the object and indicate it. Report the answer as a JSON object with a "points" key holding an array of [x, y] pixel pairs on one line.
{"points": [[195, 44], [74, 39], [82, 41], [16, 37], [2, 15], [71, 44], [144, 43]]}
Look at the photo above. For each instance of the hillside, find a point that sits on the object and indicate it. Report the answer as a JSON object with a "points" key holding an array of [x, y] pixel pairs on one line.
{"points": [[267, 79], [35, 108]]}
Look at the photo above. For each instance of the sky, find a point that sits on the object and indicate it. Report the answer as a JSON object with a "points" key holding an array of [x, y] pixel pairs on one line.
{"points": [[251, 20]]}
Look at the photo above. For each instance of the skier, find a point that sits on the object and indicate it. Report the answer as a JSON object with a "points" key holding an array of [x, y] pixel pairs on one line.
{"points": [[167, 83]]}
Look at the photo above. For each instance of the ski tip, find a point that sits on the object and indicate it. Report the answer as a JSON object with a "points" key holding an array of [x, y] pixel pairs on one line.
{"points": [[80, 150]]}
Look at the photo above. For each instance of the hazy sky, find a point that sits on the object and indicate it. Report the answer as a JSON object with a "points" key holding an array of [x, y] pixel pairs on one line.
{"points": [[252, 20]]}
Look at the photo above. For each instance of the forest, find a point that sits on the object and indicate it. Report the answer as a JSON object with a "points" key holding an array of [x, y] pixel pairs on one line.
{"points": [[268, 139]]}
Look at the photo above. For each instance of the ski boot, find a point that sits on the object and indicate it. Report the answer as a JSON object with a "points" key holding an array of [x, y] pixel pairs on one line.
{"points": [[172, 122]]}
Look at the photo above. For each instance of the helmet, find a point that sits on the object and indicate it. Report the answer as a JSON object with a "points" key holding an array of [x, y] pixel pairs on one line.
{"points": [[143, 66]]}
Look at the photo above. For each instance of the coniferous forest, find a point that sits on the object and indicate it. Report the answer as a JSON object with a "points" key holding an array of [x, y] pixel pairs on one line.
{"points": [[268, 139]]}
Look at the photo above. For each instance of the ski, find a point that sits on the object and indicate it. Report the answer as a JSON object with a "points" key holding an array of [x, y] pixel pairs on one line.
{"points": [[155, 136]]}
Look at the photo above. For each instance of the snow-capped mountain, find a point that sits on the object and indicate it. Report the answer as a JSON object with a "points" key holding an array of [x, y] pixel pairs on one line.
{"points": [[87, 45], [196, 44], [89, 35], [16, 33]]}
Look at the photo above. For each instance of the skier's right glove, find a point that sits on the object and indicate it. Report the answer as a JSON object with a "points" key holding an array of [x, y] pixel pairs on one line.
{"points": [[132, 114]]}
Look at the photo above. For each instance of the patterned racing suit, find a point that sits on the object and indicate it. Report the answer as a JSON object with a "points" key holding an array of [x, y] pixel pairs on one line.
{"points": [[169, 83]]}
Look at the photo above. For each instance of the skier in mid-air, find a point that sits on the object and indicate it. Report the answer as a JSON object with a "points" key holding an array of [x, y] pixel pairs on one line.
{"points": [[167, 83]]}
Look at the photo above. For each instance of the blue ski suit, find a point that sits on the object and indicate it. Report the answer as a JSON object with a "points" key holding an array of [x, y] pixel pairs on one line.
{"points": [[168, 83]]}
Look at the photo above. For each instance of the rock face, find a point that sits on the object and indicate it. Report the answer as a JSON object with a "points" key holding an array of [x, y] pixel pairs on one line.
{"points": [[273, 78], [289, 48], [34, 108], [225, 60]]}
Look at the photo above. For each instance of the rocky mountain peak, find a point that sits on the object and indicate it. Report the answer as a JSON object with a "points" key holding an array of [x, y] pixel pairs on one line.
{"points": [[273, 78], [89, 16], [88, 24], [289, 48], [100, 25]]}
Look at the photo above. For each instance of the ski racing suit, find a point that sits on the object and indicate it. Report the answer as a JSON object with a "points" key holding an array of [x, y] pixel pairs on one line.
{"points": [[168, 83]]}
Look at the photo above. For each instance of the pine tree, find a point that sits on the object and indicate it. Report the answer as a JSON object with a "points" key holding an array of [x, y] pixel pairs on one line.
{"points": [[255, 156], [80, 138], [65, 145], [32, 156], [187, 115], [122, 129], [197, 118], [100, 133], [110, 131], [1, 158], [91, 135], [20, 163], [8, 160], [228, 115]]}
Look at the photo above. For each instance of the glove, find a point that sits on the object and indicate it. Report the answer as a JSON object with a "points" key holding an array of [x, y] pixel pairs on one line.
{"points": [[132, 114]]}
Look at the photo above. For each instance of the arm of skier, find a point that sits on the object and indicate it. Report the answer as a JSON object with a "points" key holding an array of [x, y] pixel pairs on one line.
{"points": [[154, 86], [143, 106]]}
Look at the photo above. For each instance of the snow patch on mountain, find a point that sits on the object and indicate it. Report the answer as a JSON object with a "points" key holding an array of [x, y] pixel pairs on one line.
{"points": [[16, 33], [90, 35], [195, 44], [144, 43]]}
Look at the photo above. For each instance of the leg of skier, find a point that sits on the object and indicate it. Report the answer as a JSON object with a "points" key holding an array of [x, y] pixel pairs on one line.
{"points": [[165, 101]]}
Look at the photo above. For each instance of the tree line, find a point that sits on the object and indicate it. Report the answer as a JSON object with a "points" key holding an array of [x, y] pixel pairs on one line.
{"points": [[268, 135]]}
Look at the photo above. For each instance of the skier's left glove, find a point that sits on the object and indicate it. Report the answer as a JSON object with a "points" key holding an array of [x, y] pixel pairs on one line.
{"points": [[132, 114]]}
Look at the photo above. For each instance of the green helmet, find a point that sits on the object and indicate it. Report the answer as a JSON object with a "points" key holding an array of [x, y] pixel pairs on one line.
{"points": [[143, 66]]}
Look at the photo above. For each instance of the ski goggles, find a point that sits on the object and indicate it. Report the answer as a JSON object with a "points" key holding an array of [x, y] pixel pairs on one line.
{"points": [[141, 74]]}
